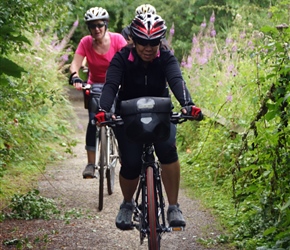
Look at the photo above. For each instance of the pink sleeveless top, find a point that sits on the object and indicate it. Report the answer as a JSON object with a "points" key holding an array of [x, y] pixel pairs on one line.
{"points": [[98, 64]]}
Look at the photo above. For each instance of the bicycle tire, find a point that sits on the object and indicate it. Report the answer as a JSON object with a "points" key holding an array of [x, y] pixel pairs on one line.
{"points": [[112, 161], [102, 162], [153, 236]]}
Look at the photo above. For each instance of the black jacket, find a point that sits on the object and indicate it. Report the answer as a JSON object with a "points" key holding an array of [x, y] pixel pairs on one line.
{"points": [[130, 79]]}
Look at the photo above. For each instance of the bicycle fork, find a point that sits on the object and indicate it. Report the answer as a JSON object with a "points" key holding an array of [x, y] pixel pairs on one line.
{"points": [[112, 157], [141, 216]]}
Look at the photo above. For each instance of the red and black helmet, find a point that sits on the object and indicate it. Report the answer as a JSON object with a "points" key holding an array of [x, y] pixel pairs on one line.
{"points": [[148, 26]]}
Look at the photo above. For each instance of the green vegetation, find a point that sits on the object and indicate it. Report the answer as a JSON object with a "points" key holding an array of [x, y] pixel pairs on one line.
{"points": [[32, 206], [240, 169], [34, 111], [236, 64]]}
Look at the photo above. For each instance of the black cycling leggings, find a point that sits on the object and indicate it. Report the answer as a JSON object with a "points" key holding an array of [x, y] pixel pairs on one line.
{"points": [[91, 134], [93, 107], [130, 152]]}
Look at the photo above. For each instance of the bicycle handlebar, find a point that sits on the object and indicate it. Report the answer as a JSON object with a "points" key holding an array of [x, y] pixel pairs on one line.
{"points": [[176, 118]]}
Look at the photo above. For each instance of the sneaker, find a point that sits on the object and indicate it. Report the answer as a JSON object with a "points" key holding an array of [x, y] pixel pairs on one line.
{"points": [[89, 171], [175, 217], [124, 217]]}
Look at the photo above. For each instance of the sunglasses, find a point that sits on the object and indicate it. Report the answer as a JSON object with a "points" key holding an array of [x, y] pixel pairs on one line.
{"points": [[96, 25], [151, 43]]}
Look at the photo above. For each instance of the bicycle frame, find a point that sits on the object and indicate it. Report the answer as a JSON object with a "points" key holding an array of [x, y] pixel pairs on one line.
{"points": [[111, 142]]}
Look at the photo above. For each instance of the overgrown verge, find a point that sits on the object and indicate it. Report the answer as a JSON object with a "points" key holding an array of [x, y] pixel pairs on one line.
{"points": [[35, 115], [34, 110], [240, 170]]}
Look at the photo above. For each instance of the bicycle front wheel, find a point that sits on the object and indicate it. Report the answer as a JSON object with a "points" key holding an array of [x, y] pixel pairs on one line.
{"points": [[112, 157], [153, 236], [102, 163]]}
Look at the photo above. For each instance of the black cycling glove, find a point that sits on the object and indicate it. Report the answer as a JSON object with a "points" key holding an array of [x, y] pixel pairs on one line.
{"points": [[194, 111], [74, 79]]}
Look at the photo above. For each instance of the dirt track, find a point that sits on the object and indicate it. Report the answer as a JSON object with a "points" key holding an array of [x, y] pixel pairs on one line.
{"points": [[96, 230]]}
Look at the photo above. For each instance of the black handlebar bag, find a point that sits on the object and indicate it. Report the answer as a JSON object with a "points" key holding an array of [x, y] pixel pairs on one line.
{"points": [[147, 119]]}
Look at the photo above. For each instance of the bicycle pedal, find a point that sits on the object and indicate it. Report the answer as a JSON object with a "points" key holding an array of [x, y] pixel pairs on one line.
{"points": [[91, 177], [177, 229], [136, 218], [88, 177]]}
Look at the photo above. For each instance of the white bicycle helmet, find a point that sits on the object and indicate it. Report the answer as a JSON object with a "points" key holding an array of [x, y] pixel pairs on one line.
{"points": [[96, 13], [148, 26], [144, 9]]}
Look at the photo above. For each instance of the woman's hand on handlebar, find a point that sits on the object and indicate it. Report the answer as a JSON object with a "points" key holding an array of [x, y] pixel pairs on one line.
{"points": [[76, 81], [193, 112], [103, 116]]}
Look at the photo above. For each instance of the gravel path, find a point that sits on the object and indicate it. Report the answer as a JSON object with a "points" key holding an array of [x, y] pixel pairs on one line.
{"points": [[96, 230]]}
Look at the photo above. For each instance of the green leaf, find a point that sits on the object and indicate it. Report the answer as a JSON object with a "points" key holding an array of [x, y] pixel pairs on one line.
{"points": [[270, 115], [10, 68], [269, 29], [286, 205], [269, 231], [286, 97]]}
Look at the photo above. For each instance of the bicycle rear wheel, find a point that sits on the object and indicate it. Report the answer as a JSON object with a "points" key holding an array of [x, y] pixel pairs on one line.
{"points": [[112, 151], [153, 236], [102, 163]]}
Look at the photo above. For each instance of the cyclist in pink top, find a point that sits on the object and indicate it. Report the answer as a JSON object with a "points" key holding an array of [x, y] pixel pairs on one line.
{"points": [[98, 49]]}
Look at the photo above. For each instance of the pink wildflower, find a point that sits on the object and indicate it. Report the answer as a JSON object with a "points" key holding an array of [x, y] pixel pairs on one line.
{"points": [[194, 40], [229, 98], [213, 33], [202, 60], [231, 70], [228, 40], [188, 66], [212, 17], [76, 23], [203, 24], [65, 57], [197, 50], [243, 35]]}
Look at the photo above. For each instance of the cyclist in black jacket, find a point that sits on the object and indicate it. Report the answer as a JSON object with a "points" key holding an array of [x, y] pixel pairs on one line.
{"points": [[146, 69]]}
